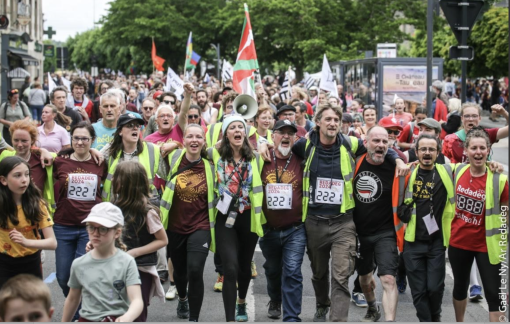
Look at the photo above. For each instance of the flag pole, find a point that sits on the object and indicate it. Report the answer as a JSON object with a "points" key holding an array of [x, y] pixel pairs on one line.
{"points": [[153, 67]]}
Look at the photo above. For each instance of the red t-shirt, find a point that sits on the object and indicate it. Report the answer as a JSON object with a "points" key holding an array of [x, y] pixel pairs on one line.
{"points": [[403, 119], [88, 108], [453, 147], [468, 225], [404, 135], [79, 189], [294, 175], [189, 211], [39, 174]]}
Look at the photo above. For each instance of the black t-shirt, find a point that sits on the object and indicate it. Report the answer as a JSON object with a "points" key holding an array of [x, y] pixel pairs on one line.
{"points": [[431, 179], [373, 212]]}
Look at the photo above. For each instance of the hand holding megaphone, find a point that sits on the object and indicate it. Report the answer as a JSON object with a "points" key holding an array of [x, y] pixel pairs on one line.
{"points": [[189, 88]]}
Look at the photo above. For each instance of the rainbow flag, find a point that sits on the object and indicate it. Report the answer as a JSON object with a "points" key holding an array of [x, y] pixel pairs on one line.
{"points": [[192, 58]]}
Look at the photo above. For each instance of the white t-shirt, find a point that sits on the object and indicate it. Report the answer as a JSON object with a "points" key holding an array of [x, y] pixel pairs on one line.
{"points": [[206, 115]]}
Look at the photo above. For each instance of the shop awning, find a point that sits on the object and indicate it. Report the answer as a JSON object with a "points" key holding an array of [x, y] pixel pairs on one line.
{"points": [[18, 73], [27, 59]]}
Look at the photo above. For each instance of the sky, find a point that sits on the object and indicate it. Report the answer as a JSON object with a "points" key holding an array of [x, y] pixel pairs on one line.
{"points": [[68, 17]]}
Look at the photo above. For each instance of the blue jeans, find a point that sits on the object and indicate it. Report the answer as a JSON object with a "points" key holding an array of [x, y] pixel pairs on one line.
{"points": [[71, 242], [36, 112], [284, 251]]}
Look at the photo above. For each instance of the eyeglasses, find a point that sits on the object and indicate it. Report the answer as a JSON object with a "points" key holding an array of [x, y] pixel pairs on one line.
{"points": [[165, 116], [427, 149], [101, 229], [133, 125], [83, 139], [290, 134], [168, 102], [230, 107], [148, 108], [393, 131], [471, 116], [193, 116]]}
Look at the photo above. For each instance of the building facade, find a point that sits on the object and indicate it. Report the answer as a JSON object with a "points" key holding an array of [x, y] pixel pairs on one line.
{"points": [[21, 44]]}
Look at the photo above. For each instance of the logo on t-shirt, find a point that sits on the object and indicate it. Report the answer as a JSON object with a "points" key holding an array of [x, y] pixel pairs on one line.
{"points": [[368, 187]]}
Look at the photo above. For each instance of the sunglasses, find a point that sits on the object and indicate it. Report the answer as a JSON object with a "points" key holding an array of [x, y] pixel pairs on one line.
{"points": [[168, 102], [193, 116], [392, 131], [133, 125], [148, 108]]}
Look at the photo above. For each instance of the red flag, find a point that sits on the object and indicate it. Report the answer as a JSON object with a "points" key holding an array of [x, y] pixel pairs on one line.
{"points": [[156, 60]]}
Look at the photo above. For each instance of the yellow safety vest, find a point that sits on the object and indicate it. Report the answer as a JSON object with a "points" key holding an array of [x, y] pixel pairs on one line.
{"points": [[48, 191], [256, 193], [175, 159], [347, 166], [269, 138], [149, 158], [496, 229], [446, 174]]}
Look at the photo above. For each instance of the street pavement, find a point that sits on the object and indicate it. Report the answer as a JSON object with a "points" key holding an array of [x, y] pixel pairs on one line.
{"points": [[212, 309]]}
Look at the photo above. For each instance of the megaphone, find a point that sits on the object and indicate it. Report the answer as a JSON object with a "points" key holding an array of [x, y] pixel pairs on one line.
{"points": [[245, 106]]}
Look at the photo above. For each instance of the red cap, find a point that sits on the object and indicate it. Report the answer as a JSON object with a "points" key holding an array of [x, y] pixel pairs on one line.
{"points": [[156, 94], [390, 122]]}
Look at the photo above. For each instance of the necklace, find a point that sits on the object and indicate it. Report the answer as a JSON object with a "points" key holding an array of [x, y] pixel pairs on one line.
{"points": [[28, 157], [475, 175], [76, 158]]}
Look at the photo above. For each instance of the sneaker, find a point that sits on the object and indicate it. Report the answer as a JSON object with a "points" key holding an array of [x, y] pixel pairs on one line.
{"points": [[183, 308], [163, 276], [218, 286], [275, 310], [359, 299], [320, 313], [170, 294], [475, 293], [253, 270], [373, 315], [401, 284], [241, 315]]}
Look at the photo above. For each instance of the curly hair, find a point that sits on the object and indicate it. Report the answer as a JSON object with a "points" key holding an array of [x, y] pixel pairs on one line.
{"points": [[26, 126], [477, 132], [80, 82]]}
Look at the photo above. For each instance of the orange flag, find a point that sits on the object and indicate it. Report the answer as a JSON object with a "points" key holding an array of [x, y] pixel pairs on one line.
{"points": [[156, 60]]}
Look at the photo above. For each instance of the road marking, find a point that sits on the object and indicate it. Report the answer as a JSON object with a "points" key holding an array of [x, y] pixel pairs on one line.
{"points": [[50, 278], [450, 273], [257, 248], [250, 302]]}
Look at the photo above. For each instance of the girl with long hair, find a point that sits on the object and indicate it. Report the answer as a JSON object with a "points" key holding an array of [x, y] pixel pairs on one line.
{"points": [[370, 119], [24, 213], [53, 136], [143, 232]]}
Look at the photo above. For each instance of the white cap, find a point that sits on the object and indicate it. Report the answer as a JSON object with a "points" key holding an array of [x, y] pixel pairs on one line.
{"points": [[106, 214]]}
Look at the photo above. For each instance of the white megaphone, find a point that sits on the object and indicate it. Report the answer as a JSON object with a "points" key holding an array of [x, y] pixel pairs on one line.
{"points": [[245, 106]]}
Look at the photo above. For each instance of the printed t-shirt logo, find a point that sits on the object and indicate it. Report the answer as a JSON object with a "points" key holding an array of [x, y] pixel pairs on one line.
{"points": [[368, 187]]}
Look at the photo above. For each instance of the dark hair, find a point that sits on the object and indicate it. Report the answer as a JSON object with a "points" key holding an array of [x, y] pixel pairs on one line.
{"points": [[59, 88], [167, 94], [157, 84], [428, 136], [197, 107], [360, 102], [31, 200], [80, 82], [216, 96], [131, 192], [227, 153], [12, 93], [420, 110], [82, 124], [109, 83], [117, 145], [230, 96], [201, 90], [369, 107]]}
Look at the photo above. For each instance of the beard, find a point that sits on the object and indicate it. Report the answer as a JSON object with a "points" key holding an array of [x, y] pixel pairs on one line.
{"points": [[372, 153], [285, 151]]}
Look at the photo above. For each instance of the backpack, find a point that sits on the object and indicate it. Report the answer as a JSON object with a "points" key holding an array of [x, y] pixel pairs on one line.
{"points": [[345, 143]]}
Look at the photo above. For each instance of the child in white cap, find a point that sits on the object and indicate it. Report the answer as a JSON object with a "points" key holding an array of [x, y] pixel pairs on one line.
{"points": [[106, 279]]}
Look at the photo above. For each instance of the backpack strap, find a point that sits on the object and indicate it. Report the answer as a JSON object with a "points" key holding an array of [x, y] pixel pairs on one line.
{"points": [[411, 132]]}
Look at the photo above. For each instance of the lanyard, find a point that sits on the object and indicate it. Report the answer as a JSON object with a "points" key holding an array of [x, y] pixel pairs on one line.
{"points": [[236, 170], [276, 166], [432, 192]]}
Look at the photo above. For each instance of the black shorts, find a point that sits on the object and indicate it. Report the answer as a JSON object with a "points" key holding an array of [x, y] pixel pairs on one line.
{"points": [[380, 249], [198, 241]]}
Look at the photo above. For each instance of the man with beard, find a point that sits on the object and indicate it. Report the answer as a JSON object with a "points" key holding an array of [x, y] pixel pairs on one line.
{"points": [[284, 241], [432, 127], [430, 191], [209, 114], [373, 216], [58, 97]]}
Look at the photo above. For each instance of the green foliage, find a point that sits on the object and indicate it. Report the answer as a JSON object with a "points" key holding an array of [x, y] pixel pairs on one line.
{"points": [[489, 39], [295, 33]]}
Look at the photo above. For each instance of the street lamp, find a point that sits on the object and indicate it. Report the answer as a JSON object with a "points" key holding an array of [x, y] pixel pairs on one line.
{"points": [[217, 48]]}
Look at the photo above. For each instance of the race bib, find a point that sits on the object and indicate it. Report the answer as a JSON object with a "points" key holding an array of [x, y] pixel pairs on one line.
{"points": [[327, 192], [82, 186], [279, 196]]}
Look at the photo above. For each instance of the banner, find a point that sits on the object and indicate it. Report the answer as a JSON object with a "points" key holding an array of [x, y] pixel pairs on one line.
{"points": [[327, 79], [174, 83]]}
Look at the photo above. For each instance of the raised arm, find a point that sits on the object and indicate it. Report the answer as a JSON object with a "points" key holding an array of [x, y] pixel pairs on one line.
{"points": [[183, 115]]}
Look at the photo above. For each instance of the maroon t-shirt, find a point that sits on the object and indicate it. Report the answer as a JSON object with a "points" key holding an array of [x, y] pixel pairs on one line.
{"points": [[301, 131], [294, 175], [38, 173], [79, 189], [189, 211]]}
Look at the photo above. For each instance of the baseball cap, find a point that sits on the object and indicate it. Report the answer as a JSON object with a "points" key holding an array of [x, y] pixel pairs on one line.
{"points": [[106, 214], [432, 123], [347, 118], [127, 118], [389, 122], [284, 123], [157, 94], [285, 108]]}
